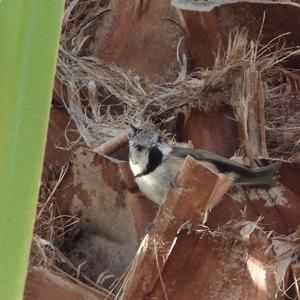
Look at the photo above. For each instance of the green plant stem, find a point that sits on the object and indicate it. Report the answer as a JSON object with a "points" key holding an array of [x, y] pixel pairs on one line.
{"points": [[29, 32]]}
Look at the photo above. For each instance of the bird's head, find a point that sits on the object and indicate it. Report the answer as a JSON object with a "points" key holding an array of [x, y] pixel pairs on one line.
{"points": [[145, 147]]}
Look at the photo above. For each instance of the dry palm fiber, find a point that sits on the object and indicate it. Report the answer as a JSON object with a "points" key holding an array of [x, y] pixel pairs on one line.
{"points": [[102, 98], [50, 224]]}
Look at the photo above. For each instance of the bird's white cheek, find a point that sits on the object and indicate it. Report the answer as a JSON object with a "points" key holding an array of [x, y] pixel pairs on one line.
{"points": [[135, 168]]}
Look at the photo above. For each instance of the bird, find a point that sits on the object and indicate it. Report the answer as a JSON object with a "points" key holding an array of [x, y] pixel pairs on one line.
{"points": [[154, 164]]}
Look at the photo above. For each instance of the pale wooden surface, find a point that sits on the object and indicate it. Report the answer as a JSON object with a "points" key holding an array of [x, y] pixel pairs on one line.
{"points": [[196, 187], [43, 285]]}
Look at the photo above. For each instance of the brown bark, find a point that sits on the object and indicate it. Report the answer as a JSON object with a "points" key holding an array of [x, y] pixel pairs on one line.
{"points": [[44, 285], [197, 190]]}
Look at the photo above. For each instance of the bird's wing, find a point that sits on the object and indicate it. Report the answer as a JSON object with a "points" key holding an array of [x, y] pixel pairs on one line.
{"points": [[223, 164]]}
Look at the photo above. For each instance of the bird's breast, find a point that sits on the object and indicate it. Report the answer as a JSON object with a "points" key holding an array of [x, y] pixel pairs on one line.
{"points": [[156, 184]]}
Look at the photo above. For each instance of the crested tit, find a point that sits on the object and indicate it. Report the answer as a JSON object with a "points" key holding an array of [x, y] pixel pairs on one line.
{"points": [[154, 165]]}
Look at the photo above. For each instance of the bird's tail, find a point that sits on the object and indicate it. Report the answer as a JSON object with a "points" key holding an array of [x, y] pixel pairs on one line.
{"points": [[261, 177]]}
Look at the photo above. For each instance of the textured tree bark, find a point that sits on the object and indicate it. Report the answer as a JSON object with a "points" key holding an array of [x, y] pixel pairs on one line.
{"points": [[197, 190], [44, 285]]}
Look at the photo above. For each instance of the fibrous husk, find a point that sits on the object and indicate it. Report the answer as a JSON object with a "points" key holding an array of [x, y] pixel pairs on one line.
{"points": [[205, 6], [50, 224], [51, 227], [287, 251], [102, 98], [282, 111]]}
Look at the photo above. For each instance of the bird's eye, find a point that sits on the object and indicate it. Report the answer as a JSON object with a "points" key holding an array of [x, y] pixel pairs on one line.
{"points": [[139, 148]]}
